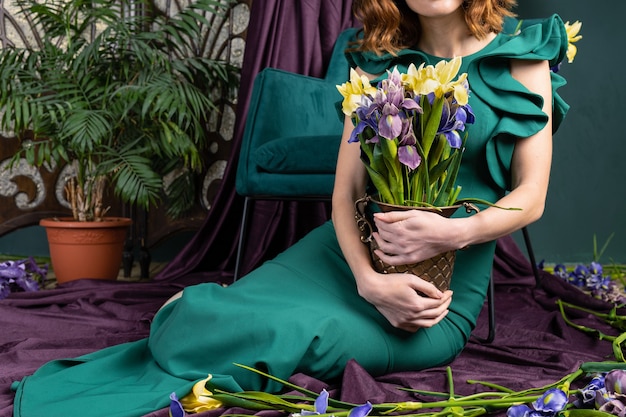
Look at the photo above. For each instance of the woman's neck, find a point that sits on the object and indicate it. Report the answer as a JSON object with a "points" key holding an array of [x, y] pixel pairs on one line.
{"points": [[449, 36]]}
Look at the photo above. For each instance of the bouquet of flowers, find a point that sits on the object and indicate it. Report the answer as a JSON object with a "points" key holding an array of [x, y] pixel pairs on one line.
{"points": [[410, 131]]}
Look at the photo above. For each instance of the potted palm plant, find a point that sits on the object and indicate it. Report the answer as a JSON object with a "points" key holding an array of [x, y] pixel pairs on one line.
{"points": [[115, 92]]}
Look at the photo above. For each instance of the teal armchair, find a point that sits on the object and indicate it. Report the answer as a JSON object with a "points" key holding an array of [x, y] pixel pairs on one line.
{"points": [[292, 134]]}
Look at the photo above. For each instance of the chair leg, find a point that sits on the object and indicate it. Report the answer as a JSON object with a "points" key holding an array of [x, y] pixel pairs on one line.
{"points": [[531, 257], [242, 235], [491, 313], [491, 291]]}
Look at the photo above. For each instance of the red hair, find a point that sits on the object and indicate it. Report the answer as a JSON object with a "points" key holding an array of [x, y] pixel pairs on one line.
{"points": [[390, 25]]}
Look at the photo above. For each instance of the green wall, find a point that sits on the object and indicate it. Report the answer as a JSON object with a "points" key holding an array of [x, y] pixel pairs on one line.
{"points": [[32, 241], [587, 188]]}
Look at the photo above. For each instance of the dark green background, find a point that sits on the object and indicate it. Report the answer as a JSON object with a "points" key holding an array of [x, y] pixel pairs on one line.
{"points": [[587, 186]]}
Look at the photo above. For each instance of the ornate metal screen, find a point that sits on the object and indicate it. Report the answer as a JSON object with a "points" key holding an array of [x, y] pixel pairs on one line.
{"points": [[28, 194]]}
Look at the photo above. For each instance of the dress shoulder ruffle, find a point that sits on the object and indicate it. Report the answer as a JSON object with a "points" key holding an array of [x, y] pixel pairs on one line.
{"points": [[519, 111]]}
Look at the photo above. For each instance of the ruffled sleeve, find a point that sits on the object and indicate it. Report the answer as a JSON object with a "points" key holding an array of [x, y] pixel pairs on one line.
{"points": [[520, 110], [512, 110]]}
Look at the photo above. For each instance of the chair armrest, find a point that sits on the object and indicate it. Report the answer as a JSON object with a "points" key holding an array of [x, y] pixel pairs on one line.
{"points": [[286, 105]]}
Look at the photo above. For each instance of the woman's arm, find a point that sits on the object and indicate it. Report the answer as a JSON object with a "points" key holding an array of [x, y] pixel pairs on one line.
{"points": [[394, 295], [530, 169]]}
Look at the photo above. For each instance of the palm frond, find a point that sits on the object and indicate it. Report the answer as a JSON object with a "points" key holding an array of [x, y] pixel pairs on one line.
{"points": [[134, 179], [87, 130], [123, 93], [180, 194]]}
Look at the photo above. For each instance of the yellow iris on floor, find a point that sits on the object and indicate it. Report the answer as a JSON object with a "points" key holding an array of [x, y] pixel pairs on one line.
{"points": [[200, 399]]}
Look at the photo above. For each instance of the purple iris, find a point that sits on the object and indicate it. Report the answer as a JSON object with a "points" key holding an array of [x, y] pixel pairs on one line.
{"points": [[587, 395], [395, 114], [453, 120], [390, 100], [522, 411], [611, 400], [361, 411], [389, 116], [5, 290], [579, 276], [589, 278], [176, 409], [607, 391], [549, 404], [407, 151], [390, 124], [596, 268], [616, 406], [552, 401], [615, 381], [320, 406], [365, 117], [560, 271], [20, 275], [361, 127]]}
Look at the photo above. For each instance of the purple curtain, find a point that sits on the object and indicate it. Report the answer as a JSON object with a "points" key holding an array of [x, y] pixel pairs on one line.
{"points": [[296, 36]]}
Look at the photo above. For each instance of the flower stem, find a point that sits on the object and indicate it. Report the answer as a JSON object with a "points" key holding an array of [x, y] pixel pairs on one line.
{"points": [[599, 334]]}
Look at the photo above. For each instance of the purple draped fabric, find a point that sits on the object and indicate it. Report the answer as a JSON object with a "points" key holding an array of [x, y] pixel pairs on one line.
{"points": [[296, 36], [533, 345]]}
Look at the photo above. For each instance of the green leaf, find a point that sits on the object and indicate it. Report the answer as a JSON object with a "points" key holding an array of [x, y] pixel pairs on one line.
{"points": [[233, 400], [432, 124], [298, 388], [19, 117], [181, 195], [598, 254], [440, 168], [444, 192], [271, 401], [279, 380], [449, 193], [617, 347], [598, 367], [395, 176], [582, 412], [381, 185]]}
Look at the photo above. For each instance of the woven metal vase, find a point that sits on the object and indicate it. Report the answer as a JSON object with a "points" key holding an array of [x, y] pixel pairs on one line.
{"points": [[437, 269]]}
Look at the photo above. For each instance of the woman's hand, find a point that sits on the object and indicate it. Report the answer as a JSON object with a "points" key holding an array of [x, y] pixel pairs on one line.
{"points": [[406, 237], [406, 301]]}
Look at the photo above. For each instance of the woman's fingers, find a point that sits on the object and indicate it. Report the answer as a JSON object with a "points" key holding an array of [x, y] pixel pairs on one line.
{"points": [[426, 311]]}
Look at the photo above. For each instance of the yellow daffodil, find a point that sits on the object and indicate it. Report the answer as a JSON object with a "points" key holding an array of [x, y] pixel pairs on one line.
{"points": [[353, 90], [438, 80], [572, 37], [415, 80], [200, 399]]}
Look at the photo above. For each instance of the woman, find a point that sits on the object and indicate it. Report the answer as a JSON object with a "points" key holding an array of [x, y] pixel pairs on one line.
{"points": [[320, 303]]}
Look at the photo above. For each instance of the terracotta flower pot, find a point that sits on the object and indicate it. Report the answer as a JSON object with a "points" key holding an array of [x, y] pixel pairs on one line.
{"points": [[86, 249], [437, 269]]}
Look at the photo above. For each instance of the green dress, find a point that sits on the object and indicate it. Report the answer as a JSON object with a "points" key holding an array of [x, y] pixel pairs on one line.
{"points": [[300, 312]]}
